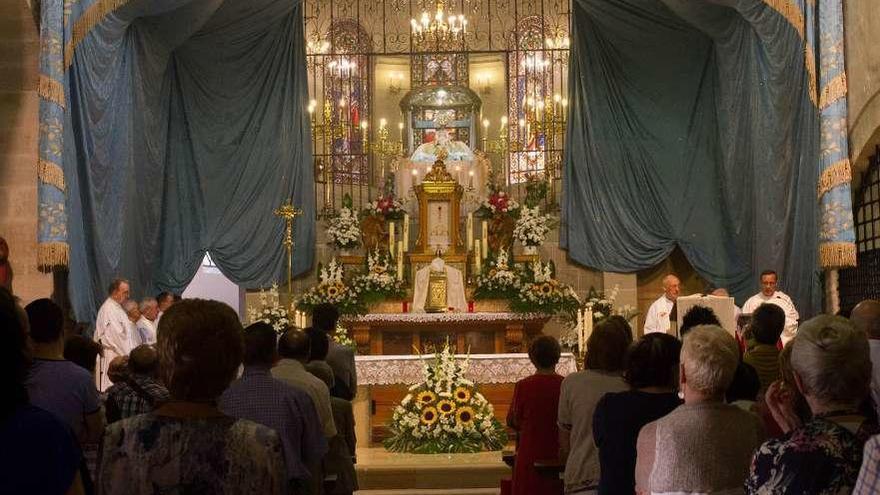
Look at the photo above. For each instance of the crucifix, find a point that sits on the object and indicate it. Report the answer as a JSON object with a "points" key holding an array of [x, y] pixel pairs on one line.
{"points": [[289, 214]]}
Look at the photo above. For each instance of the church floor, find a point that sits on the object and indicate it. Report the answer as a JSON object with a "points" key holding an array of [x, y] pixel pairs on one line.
{"points": [[385, 473]]}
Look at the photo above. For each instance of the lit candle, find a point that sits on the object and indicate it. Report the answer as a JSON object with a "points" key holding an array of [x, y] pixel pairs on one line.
{"points": [[469, 231], [405, 234], [485, 239], [471, 179], [579, 328], [400, 128], [382, 123], [478, 260], [400, 260], [391, 238]]}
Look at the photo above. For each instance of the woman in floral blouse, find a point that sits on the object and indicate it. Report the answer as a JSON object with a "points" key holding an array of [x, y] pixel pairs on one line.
{"points": [[832, 369], [187, 445]]}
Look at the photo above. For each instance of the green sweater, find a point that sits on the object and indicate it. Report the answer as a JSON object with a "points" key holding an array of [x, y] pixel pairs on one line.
{"points": [[765, 359]]}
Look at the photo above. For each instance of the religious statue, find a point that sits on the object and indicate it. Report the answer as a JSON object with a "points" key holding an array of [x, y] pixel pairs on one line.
{"points": [[439, 287], [455, 150], [374, 233]]}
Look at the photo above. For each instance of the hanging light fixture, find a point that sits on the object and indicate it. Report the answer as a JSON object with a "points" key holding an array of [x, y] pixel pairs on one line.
{"points": [[440, 31]]}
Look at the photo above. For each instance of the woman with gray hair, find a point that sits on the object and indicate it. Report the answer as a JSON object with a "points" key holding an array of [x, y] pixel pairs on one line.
{"points": [[704, 445], [832, 369], [187, 445]]}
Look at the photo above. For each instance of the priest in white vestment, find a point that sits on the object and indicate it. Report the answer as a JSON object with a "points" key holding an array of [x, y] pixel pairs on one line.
{"points": [[146, 325], [657, 319], [455, 296], [112, 330], [770, 295]]}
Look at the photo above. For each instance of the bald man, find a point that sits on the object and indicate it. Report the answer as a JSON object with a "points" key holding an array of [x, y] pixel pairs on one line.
{"points": [[866, 317], [657, 319]]}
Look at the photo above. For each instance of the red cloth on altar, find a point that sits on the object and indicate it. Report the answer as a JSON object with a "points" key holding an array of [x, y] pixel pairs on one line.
{"points": [[533, 414]]}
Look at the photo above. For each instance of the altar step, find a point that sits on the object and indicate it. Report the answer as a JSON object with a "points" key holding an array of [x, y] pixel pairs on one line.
{"points": [[384, 473]]}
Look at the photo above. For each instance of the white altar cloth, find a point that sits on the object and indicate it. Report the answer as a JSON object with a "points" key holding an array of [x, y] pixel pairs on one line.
{"points": [[483, 368]]}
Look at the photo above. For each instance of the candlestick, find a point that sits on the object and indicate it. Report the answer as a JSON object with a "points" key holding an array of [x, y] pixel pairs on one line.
{"points": [[485, 239], [469, 231], [470, 179], [405, 233], [391, 244]]}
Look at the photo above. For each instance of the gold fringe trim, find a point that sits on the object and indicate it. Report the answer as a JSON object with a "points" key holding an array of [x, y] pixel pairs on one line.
{"points": [[51, 255], [50, 89], [50, 173], [837, 255], [833, 91], [795, 17], [810, 65], [791, 12], [90, 18], [838, 173]]}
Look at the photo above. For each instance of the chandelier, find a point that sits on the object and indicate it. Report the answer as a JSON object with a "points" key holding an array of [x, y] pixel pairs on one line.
{"points": [[441, 30]]}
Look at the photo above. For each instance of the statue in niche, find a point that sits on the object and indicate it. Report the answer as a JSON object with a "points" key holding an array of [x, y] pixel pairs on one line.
{"points": [[455, 150]]}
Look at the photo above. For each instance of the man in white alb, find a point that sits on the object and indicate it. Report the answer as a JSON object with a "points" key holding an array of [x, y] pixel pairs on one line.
{"points": [[770, 295], [112, 330], [657, 319]]}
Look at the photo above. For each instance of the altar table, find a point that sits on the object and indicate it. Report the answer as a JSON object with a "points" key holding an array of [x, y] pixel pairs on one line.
{"points": [[383, 381], [483, 333]]}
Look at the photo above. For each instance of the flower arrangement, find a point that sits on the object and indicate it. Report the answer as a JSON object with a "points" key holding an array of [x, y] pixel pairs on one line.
{"points": [[445, 413], [540, 292], [332, 289], [388, 207], [601, 305], [343, 229], [531, 227], [270, 311], [340, 336], [379, 280], [499, 280], [498, 202]]}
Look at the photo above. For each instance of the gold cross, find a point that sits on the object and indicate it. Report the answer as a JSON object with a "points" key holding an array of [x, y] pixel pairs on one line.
{"points": [[289, 214]]}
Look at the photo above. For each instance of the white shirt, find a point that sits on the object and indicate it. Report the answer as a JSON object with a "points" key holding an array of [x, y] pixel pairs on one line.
{"points": [[146, 331], [657, 319], [782, 300], [113, 330]]}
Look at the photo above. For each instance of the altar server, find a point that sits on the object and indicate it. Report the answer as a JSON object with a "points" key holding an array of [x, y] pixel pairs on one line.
{"points": [[657, 319], [112, 330], [769, 294]]}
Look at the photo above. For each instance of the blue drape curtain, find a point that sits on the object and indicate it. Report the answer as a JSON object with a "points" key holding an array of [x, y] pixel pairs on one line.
{"points": [[185, 127], [694, 123]]}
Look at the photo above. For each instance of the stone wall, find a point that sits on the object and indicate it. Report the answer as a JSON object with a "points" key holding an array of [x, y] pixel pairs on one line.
{"points": [[862, 18], [19, 49]]}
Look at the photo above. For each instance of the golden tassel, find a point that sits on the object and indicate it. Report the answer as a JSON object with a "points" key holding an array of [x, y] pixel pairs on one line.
{"points": [[810, 65], [50, 173], [51, 255], [837, 255], [838, 173], [95, 13], [50, 89], [833, 91]]}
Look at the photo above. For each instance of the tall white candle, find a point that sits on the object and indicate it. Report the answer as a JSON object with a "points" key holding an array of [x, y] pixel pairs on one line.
{"points": [[484, 230], [391, 244], [405, 233], [579, 328], [588, 325], [478, 260], [400, 252], [469, 230]]}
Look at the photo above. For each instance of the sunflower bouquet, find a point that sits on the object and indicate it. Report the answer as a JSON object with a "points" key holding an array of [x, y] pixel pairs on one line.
{"points": [[445, 413], [379, 281], [332, 289], [540, 292], [499, 281]]}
